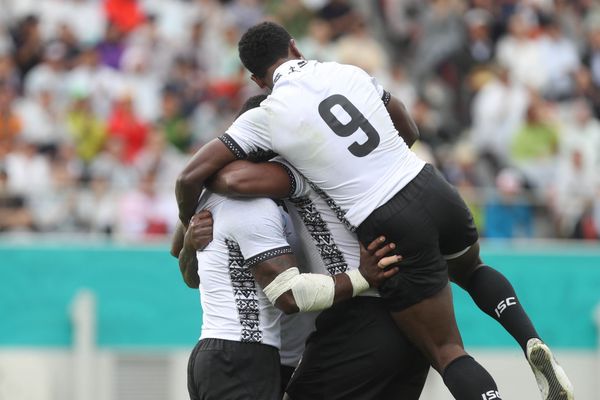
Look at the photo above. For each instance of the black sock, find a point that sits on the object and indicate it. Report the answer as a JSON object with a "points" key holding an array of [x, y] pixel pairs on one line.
{"points": [[468, 380], [496, 297]]}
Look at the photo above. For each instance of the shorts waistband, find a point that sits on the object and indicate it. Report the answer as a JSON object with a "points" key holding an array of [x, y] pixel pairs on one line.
{"points": [[208, 344]]}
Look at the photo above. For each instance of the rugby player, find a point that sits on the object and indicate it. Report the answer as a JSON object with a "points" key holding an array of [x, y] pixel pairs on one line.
{"points": [[342, 360], [330, 122], [236, 356]]}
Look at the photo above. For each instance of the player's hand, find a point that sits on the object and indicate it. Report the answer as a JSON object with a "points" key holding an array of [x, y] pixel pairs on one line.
{"points": [[200, 232], [377, 262]]}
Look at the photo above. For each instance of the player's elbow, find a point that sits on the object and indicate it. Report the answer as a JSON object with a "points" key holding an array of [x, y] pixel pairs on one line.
{"points": [[413, 136], [184, 180], [191, 280], [287, 303]]}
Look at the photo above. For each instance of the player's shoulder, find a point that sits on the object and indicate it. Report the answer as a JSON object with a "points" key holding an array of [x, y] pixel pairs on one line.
{"points": [[241, 210]]}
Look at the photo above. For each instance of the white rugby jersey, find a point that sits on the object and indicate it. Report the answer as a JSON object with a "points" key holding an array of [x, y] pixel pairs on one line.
{"points": [[329, 121], [326, 244], [245, 232]]}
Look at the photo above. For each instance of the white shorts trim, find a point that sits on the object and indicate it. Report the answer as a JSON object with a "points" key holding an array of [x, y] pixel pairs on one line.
{"points": [[456, 255]]}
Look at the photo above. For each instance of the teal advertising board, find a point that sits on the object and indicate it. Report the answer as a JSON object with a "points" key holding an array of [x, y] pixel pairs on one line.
{"points": [[143, 303]]}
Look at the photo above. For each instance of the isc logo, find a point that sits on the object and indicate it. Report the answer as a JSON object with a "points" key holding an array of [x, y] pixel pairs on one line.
{"points": [[491, 395], [511, 301]]}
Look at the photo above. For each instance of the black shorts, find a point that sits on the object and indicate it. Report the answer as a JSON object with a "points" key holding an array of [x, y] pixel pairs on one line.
{"points": [[228, 370], [427, 220], [357, 352]]}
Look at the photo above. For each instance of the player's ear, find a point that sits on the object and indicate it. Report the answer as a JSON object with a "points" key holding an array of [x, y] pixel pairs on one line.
{"points": [[260, 82], [294, 50]]}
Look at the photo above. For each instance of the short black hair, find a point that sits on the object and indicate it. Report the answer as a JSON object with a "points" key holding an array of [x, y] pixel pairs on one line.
{"points": [[251, 103], [262, 45]]}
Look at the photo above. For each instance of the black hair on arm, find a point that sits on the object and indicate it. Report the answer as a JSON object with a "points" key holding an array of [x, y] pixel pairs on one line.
{"points": [[262, 45]]}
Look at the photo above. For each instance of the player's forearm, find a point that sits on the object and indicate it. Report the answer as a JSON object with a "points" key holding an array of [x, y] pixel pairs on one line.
{"points": [[247, 179], [177, 240], [188, 265], [292, 292], [404, 123]]}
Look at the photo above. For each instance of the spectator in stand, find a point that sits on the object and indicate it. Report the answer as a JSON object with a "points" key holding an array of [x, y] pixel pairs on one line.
{"points": [[28, 171], [163, 159], [142, 83], [42, 121], [8, 73], [28, 44], [145, 213], [125, 125], [14, 213], [359, 47], [144, 43], [520, 53], [10, 123], [293, 14], [497, 112], [102, 83], [87, 131], [592, 56], [339, 14], [576, 181], [442, 36], [318, 43], [172, 123], [509, 213], [124, 14], [535, 145], [49, 74], [560, 61], [97, 206], [111, 47]]}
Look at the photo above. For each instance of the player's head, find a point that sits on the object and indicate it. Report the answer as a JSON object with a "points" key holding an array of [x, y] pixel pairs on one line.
{"points": [[251, 103], [263, 46]]}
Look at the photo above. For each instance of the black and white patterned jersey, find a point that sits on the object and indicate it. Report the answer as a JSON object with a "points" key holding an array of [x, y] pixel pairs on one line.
{"points": [[324, 240], [245, 233], [329, 121]]}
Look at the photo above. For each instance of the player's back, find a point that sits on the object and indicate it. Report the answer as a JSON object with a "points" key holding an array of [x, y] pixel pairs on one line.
{"points": [[234, 306], [328, 120]]}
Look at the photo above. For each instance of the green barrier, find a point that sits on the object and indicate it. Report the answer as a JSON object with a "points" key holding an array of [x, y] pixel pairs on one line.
{"points": [[142, 301]]}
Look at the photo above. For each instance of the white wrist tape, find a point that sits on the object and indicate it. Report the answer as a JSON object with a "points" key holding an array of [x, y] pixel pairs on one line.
{"points": [[359, 283], [312, 292]]}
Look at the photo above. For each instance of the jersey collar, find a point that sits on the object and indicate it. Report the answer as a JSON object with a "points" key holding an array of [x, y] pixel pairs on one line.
{"points": [[288, 68]]}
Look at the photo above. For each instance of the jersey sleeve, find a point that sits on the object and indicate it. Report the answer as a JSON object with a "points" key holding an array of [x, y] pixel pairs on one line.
{"points": [[257, 226], [298, 184], [249, 134]]}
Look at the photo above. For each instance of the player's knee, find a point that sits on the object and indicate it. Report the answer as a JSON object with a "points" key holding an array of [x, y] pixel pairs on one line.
{"points": [[462, 268], [445, 354]]}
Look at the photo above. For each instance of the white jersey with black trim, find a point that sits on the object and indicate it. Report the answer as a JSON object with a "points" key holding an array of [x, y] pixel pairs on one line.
{"points": [[328, 120], [327, 245], [245, 233]]}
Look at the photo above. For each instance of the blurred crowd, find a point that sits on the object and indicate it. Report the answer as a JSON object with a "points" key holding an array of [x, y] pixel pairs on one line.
{"points": [[102, 102]]}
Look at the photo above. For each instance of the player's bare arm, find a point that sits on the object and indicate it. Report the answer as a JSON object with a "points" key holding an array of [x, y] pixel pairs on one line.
{"points": [[209, 159], [196, 238], [188, 266], [248, 179], [403, 122], [293, 292], [177, 239]]}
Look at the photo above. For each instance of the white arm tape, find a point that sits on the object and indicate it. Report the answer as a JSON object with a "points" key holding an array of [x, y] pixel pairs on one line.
{"points": [[359, 283], [312, 292]]}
